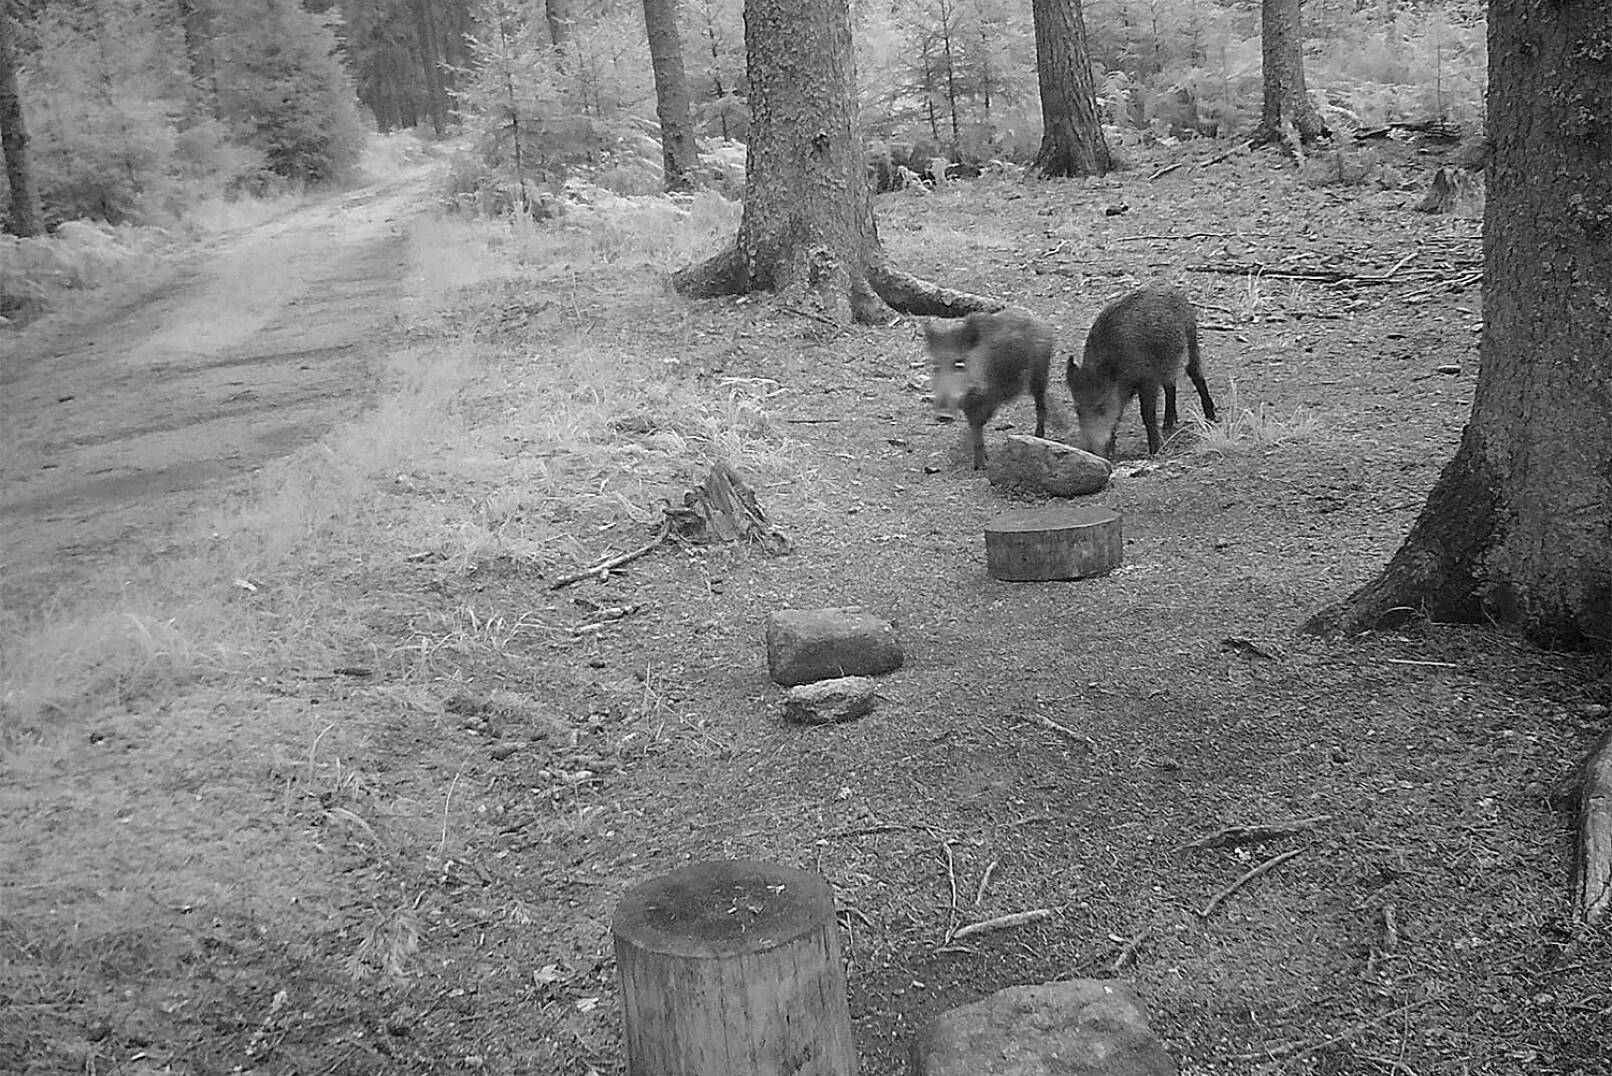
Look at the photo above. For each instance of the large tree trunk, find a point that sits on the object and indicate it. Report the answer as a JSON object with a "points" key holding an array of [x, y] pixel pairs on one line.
{"points": [[1072, 139], [808, 211], [807, 232], [671, 94], [1518, 528], [1286, 100], [25, 218]]}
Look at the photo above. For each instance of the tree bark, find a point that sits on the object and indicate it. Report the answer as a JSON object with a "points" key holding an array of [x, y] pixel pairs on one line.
{"points": [[1286, 99], [807, 228], [196, 22], [430, 58], [807, 231], [1518, 528], [678, 152], [25, 218], [1072, 138], [562, 20]]}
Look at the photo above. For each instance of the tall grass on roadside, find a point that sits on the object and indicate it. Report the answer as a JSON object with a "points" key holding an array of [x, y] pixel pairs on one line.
{"points": [[484, 445], [80, 664]]}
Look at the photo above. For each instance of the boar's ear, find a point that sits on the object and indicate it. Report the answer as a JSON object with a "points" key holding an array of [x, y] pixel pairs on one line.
{"points": [[931, 334]]}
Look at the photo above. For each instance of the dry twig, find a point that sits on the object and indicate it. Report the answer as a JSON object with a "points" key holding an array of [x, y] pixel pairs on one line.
{"points": [[1264, 868], [616, 561], [1049, 723], [1127, 955], [985, 880], [1299, 1049], [1001, 922]]}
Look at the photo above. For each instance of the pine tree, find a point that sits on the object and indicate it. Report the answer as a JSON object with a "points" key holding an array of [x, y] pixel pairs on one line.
{"points": [[283, 91]]}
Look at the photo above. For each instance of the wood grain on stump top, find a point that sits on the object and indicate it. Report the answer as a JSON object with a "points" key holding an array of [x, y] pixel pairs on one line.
{"points": [[723, 908], [1053, 542]]}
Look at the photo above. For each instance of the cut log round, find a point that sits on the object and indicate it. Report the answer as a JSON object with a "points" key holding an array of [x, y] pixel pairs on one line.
{"points": [[1053, 542], [733, 968]]}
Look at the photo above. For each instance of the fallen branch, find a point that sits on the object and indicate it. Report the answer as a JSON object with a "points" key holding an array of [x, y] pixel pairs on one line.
{"points": [[1299, 1049], [1001, 922], [1592, 874], [1439, 274], [1232, 836], [1198, 235], [606, 565], [1264, 868], [1166, 170]]}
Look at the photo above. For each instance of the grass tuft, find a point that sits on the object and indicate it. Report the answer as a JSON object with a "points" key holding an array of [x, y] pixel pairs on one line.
{"points": [[1241, 428]]}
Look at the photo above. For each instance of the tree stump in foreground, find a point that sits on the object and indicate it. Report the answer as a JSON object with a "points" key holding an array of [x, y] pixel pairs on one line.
{"points": [[733, 968], [1055, 542]]}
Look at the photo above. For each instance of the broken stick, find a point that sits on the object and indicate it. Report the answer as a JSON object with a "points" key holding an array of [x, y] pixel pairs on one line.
{"points": [[617, 561], [1001, 922], [1264, 868]]}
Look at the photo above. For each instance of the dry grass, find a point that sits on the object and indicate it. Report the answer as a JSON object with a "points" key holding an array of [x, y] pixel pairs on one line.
{"points": [[1239, 428]]}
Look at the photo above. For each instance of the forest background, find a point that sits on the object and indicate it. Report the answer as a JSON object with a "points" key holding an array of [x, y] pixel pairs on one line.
{"points": [[160, 118]]}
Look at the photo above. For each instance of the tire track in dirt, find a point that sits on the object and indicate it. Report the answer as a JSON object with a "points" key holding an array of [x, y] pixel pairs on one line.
{"points": [[117, 430]]}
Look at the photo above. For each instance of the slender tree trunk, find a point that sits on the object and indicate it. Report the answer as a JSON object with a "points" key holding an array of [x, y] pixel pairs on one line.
{"points": [[1518, 528], [430, 59], [195, 19], [25, 218], [1072, 139], [1286, 100], [678, 151], [562, 20]]}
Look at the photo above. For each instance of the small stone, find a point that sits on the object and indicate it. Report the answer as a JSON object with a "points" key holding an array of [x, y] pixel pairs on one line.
{"points": [[804, 645], [1081, 1027], [1051, 468], [829, 702]]}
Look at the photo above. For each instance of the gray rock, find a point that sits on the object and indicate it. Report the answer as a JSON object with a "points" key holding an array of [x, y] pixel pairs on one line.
{"points": [[805, 645], [1082, 1027], [1037, 465], [828, 702]]}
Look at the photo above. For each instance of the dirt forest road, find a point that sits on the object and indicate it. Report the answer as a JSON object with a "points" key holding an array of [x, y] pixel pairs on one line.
{"points": [[114, 428]]}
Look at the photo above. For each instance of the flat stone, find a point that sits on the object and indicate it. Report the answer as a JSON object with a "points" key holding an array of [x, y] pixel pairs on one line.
{"points": [[1082, 1027], [828, 702], [1050, 468], [806, 645]]}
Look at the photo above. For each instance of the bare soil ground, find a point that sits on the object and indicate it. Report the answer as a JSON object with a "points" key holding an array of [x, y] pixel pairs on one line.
{"points": [[116, 420], [399, 851]]}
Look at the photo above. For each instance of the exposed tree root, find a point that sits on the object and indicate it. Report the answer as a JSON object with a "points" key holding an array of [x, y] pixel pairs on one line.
{"points": [[727, 273], [1435, 573]]}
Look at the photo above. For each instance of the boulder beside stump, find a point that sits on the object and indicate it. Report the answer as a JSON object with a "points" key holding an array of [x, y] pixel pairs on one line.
{"points": [[1053, 542], [733, 968]]}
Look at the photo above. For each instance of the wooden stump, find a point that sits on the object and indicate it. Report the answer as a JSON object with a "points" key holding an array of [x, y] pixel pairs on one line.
{"points": [[1054, 542], [733, 968]]}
